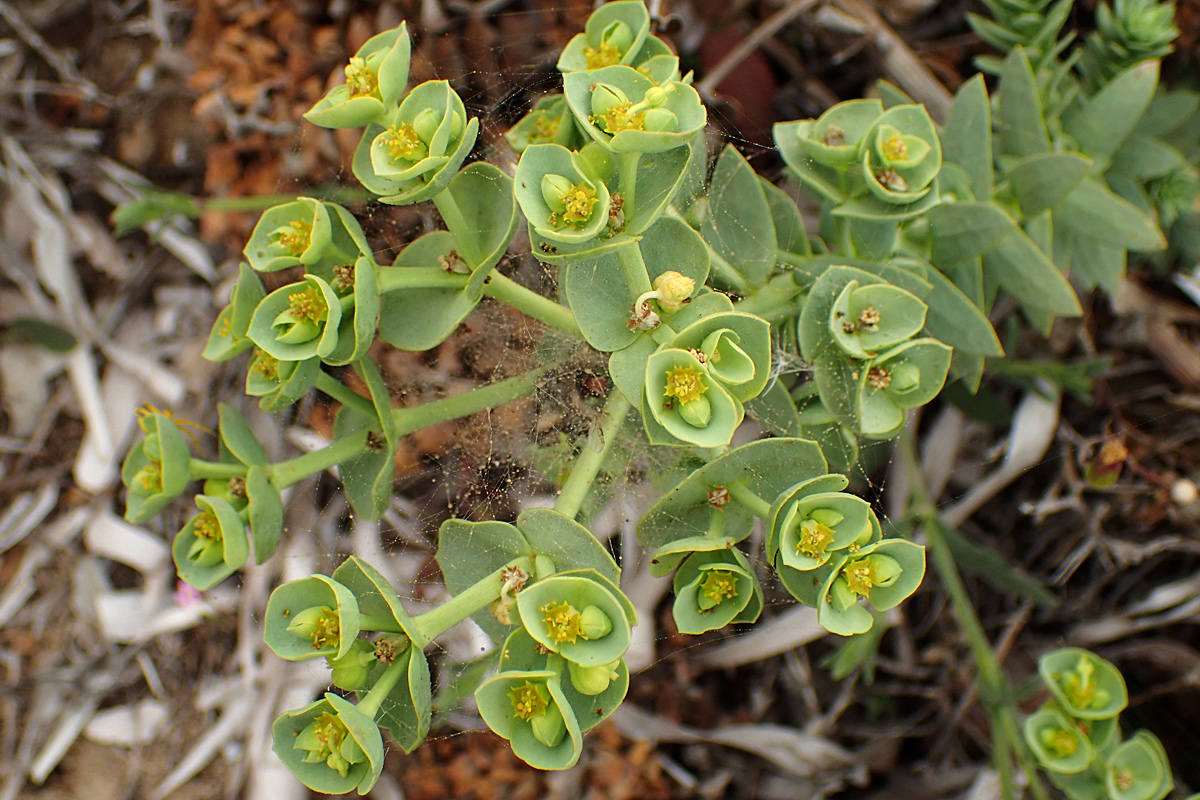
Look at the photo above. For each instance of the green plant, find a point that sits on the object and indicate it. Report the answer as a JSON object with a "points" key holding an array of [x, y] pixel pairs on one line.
{"points": [[693, 286]]}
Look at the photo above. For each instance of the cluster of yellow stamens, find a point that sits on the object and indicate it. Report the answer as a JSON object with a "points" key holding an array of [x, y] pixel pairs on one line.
{"points": [[860, 577], [606, 55], [579, 200], [308, 305], [562, 621], [545, 128], [718, 585], [296, 238], [150, 477], [527, 701], [402, 141], [206, 526], [620, 117], [360, 79], [894, 148], [266, 365], [1060, 741], [685, 383], [814, 538]]}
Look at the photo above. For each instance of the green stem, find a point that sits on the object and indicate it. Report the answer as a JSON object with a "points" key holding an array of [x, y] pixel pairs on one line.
{"points": [[635, 270], [746, 496], [530, 303], [994, 691], [583, 473], [372, 622], [391, 676], [343, 394], [331, 194], [716, 523], [433, 624], [470, 402], [663, 334], [627, 181], [452, 215], [199, 469], [392, 279], [407, 420]]}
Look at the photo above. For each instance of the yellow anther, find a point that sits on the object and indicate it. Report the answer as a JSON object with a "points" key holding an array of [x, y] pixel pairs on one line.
{"points": [[894, 148], [360, 79], [606, 55], [402, 142], [527, 701], [814, 538], [562, 622], [685, 383]]}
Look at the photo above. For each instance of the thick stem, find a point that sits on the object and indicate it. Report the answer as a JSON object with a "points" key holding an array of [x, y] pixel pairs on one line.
{"points": [[391, 676], [433, 624], [627, 181], [635, 270], [452, 215], [746, 496], [506, 290], [407, 420], [392, 279], [204, 470], [587, 465], [333, 194], [343, 394]]}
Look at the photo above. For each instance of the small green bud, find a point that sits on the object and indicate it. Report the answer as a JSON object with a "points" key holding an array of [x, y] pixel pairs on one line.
{"points": [[594, 623], [554, 190], [549, 728], [350, 672], [208, 547], [656, 96], [592, 680], [697, 412], [426, 123], [660, 120]]}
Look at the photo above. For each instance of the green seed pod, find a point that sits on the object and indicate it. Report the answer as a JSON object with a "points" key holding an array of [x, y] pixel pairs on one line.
{"points": [[660, 119], [592, 680], [350, 672]]}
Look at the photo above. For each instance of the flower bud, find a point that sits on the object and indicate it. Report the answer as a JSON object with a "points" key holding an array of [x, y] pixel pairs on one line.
{"points": [[592, 680], [426, 123], [656, 96], [554, 189], [673, 290], [350, 672], [697, 412], [660, 120], [594, 623], [606, 97], [549, 728]]}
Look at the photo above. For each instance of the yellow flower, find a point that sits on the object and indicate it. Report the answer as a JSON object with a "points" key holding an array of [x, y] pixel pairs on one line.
{"points": [[685, 383], [360, 79]]}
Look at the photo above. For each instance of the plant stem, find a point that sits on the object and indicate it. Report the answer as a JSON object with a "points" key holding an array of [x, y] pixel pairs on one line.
{"points": [[407, 420], [530, 303], [627, 181], [371, 704], [393, 279], [469, 402], [993, 685], [371, 622], [583, 473], [330, 194], [746, 496], [452, 215], [198, 469], [343, 394], [635, 270], [433, 624]]}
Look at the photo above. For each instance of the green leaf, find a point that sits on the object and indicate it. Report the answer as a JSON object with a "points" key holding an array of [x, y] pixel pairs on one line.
{"points": [[237, 436], [995, 570], [790, 234], [967, 139], [408, 708], [766, 467], [739, 226], [375, 596], [1025, 272], [293, 597], [567, 543], [1096, 263], [1039, 181], [957, 321], [487, 218], [632, 15], [470, 551], [367, 477], [537, 164], [1087, 686], [869, 207], [1020, 123], [627, 367], [46, 335], [774, 410], [659, 176], [234, 549], [421, 319], [357, 329], [266, 513], [1143, 158], [962, 231], [1095, 212], [579, 591], [1107, 119]]}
